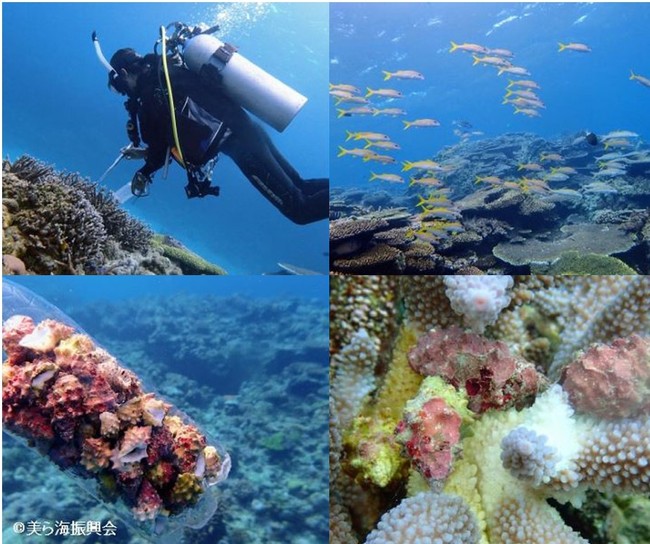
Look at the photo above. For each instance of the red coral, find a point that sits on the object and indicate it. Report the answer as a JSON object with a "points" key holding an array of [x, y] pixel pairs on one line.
{"points": [[66, 398], [188, 444], [96, 454], [13, 331], [160, 446], [429, 436], [34, 421], [162, 474], [148, 503], [100, 397], [611, 381], [491, 376]]}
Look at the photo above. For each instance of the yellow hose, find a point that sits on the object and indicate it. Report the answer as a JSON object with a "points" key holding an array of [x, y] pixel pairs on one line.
{"points": [[170, 95]]}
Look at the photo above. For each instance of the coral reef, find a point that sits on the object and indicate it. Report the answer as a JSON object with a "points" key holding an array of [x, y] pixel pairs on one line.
{"points": [[496, 440], [61, 223], [59, 391]]}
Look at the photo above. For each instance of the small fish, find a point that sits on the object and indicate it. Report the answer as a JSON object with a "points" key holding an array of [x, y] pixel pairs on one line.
{"points": [[469, 47], [529, 83], [556, 176], [421, 165], [618, 142], [528, 111], [530, 167], [374, 136], [362, 110], [390, 111], [566, 192], [384, 159], [402, 74], [579, 47], [610, 156], [351, 100], [354, 152], [610, 173], [388, 93], [494, 61], [493, 180], [392, 178], [642, 80], [344, 87], [431, 182], [441, 213], [523, 94], [524, 103], [462, 124], [341, 94], [615, 134], [556, 157], [421, 123], [501, 53], [517, 70], [454, 227], [564, 170], [382, 144], [598, 187]]}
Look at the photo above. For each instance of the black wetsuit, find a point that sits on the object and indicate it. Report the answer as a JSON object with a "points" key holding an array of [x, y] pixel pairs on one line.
{"points": [[302, 201]]}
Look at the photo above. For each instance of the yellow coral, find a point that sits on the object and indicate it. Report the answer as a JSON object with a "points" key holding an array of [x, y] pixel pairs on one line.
{"points": [[187, 489]]}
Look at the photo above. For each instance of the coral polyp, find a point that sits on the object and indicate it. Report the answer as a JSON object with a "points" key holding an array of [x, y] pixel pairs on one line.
{"points": [[74, 402]]}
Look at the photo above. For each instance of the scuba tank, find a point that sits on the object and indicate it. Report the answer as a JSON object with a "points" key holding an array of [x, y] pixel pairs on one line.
{"points": [[247, 84]]}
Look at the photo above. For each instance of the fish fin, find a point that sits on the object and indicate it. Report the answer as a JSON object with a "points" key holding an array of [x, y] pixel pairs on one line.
{"points": [[508, 93], [476, 60], [407, 166], [342, 151], [375, 113], [341, 113], [406, 124], [517, 110], [387, 75], [520, 167], [331, 86], [373, 176], [562, 47], [368, 144], [369, 93], [366, 158], [501, 70], [553, 169], [349, 135], [505, 101], [632, 76], [412, 182], [479, 179], [454, 46], [510, 83]]}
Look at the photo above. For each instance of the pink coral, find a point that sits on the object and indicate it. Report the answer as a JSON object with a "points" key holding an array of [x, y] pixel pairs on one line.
{"points": [[429, 435], [13, 331], [188, 444], [100, 397], [148, 503], [66, 399], [492, 377], [611, 381], [95, 454]]}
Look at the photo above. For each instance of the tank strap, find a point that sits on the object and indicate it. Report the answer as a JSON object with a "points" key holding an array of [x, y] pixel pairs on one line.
{"points": [[224, 54]]}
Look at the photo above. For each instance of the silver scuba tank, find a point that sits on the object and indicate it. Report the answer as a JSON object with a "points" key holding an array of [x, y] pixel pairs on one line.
{"points": [[246, 83]]}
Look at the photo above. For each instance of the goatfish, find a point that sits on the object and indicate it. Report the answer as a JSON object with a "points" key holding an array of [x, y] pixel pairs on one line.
{"points": [[566, 192], [501, 53], [579, 47], [341, 94], [528, 111], [517, 70], [564, 170], [551, 157], [392, 178], [643, 80], [598, 187], [351, 100], [494, 61], [402, 74], [469, 47], [494, 180], [531, 167], [523, 94], [366, 136], [390, 111], [619, 134], [617, 142], [431, 182], [421, 165], [384, 159], [440, 213], [362, 110], [382, 144], [556, 176], [524, 102], [344, 87], [388, 93], [432, 199], [421, 123], [529, 83], [355, 152]]}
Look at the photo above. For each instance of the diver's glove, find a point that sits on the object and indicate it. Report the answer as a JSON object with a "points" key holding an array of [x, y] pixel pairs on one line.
{"points": [[140, 184]]}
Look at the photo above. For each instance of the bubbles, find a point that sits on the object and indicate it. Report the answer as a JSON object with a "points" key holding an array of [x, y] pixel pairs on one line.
{"points": [[236, 19]]}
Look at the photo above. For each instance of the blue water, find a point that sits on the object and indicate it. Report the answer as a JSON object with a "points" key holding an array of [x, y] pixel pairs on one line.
{"points": [[57, 108], [581, 91]]}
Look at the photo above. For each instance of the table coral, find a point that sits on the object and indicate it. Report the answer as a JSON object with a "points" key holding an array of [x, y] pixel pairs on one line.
{"points": [[511, 454], [75, 403]]}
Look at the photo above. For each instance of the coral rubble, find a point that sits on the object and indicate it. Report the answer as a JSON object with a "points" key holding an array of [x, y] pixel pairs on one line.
{"points": [[491, 440]]}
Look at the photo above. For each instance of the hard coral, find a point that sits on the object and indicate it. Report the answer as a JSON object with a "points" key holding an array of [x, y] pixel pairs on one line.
{"points": [[148, 503], [186, 490]]}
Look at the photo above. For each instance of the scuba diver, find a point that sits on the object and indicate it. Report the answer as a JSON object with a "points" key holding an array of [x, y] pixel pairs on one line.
{"points": [[187, 103]]}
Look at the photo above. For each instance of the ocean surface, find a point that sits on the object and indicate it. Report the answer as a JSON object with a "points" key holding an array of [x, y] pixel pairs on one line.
{"points": [[246, 361], [581, 91], [57, 108]]}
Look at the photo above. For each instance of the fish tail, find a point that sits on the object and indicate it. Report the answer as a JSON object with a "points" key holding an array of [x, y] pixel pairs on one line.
{"points": [[341, 113], [562, 47], [412, 182], [510, 83], [376, 113], [387, 75], [373, 176], [406, 124], [422, 200], [331, 86], [338, 101], [369, 93], [476, 60], [508, 93], [517, 110], [553, 169], [454, 46], [520, 167], [407, 166], [501, 70], [349, 134], [479, 179], [368, 144], [632, 74], [606, 145], [342, 151]]}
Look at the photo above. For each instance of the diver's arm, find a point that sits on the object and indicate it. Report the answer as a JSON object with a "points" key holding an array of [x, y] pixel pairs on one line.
{"points": [[153, 130]]}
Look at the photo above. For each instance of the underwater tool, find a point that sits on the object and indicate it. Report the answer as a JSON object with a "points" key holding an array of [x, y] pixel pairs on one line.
{"points": [[76, 405]]}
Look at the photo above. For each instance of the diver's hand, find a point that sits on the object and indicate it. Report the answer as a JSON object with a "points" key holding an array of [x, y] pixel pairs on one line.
{"points": [[131, 152], [140, 184]]}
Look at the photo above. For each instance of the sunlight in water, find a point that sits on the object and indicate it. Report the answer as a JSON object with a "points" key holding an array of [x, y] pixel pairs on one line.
{"points": [[236, 18]]}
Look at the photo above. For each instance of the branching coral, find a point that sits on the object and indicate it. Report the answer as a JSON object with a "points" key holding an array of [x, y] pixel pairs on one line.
{"points": [[506, 458]]}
